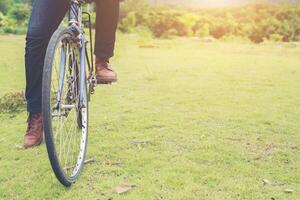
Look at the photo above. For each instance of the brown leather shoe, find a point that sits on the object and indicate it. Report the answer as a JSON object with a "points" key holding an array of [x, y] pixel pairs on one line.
{"points": [[34, 132], [104, 73]]}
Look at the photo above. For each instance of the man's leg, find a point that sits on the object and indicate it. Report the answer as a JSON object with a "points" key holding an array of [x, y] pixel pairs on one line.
{"points": [[45, 18], [106, 26]]}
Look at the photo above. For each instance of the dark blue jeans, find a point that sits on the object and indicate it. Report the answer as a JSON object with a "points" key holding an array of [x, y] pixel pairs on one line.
{"points": [[45, 18]]}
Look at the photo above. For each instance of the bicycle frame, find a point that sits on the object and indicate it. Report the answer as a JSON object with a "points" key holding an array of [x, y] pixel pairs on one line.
{"points": [[66, 119], [77, 27]]}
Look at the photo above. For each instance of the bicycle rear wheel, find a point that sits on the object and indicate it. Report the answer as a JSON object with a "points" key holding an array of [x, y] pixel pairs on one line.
{"points": [[65, 118]]}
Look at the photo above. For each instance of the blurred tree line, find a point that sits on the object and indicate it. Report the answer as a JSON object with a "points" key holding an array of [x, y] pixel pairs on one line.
{"points": [[254, 22], [14, 15]]}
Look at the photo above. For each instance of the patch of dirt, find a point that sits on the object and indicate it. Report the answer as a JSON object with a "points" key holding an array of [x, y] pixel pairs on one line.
{"points": [[262, 151]]}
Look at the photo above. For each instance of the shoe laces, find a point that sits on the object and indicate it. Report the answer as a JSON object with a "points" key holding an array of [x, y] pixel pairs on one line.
{"points": [[103, 66], [32, 119]]}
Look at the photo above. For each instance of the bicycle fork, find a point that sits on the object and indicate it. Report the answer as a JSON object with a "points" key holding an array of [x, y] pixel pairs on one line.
{"points": [[82, 81]]}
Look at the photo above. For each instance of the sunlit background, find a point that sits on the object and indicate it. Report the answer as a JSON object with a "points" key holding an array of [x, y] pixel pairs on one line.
{"points": [[216, 3], [207, 105], [243, 20]]}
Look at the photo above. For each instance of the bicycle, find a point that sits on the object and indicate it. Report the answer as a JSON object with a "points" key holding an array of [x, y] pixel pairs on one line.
{"points": [[68, 82]]}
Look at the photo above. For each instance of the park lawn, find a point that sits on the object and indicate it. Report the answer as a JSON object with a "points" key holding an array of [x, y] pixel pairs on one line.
{"points": [[217, 121]]}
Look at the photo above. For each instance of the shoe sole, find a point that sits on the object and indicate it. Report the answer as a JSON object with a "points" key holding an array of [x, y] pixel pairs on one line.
{"points": [[36, 144], [109, 81]]}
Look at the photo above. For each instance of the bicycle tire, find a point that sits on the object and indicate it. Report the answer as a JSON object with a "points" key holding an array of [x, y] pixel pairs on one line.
{"points": [[65, 179]]}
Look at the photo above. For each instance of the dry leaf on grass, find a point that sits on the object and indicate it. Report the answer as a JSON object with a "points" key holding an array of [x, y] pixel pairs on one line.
{"points": [[274, 183], [123, 188], [266, 182], [288, 190], [134, 142], [19, 147]]}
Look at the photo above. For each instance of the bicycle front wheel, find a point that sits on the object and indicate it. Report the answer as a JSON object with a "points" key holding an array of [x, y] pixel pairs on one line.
{"points": [[65, 117]]}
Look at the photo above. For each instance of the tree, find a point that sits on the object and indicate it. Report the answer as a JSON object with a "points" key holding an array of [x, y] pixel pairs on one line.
{"points": [[19, 12], [5, 5]]}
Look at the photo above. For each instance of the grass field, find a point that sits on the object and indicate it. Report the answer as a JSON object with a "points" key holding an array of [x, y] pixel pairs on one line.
{"points": [[215, 121]]}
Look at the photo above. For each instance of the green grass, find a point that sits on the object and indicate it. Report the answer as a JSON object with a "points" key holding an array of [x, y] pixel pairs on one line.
{"points": [[218, 118]]}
